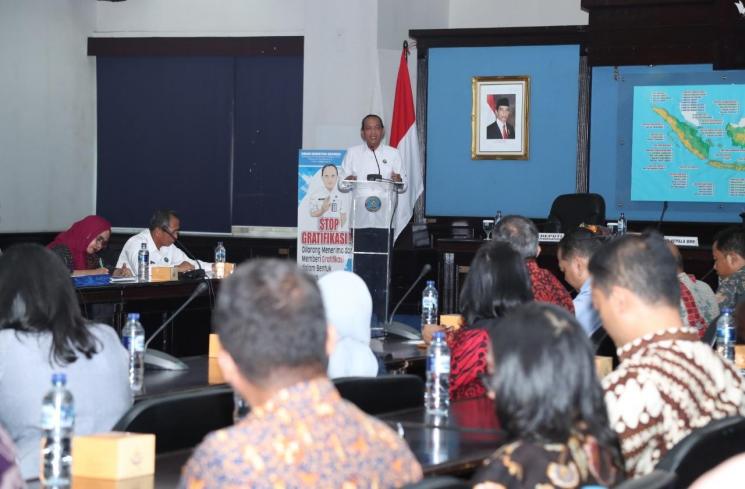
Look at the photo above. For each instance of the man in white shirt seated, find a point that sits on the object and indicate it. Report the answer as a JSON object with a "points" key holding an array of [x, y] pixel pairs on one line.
{"points": [[162, 233]]}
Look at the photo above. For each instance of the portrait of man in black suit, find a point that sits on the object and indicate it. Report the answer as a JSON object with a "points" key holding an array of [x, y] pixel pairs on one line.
{"points": [[501, 128]]}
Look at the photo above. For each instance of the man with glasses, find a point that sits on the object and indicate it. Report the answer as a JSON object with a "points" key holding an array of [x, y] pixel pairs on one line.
{"points": [[160, 238]]}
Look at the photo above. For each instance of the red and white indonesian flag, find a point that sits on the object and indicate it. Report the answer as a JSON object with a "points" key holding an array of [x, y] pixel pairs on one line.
{"points": [[403, 136]]}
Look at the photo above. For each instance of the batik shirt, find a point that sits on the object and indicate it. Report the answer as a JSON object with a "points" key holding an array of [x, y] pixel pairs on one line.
{"points": [[522, 465], [667, 384], [547, 288], [305, 436], [731, 289]]}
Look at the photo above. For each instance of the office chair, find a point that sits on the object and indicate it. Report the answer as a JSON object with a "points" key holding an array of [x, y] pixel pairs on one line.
{"points": [[704, 449], [657, 479], [180, 420], [439, 482], [568, 211], [604, 345], [382, 394]]}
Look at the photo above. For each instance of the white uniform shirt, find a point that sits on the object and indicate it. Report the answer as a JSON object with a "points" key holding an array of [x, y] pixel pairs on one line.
{"points": [[336, 205], [168, 256], [360, 161]]}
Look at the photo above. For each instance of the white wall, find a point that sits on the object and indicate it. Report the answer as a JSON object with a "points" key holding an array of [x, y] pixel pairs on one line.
{"points": [[47, 114], [515, 13], [352, 49]]}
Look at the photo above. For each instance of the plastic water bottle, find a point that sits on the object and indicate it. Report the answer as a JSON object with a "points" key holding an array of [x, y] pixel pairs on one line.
{"points": [[497, 217], [429, 304], [726, 335], [437, 398], [621, 227], [220, 256], [133, 339], [143, 264], [57, 424]]}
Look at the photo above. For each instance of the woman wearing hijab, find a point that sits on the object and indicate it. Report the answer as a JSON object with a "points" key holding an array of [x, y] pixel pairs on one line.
{"points": [[348, 308], [78, 247]]}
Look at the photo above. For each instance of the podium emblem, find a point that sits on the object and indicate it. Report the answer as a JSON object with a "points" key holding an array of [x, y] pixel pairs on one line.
{"points": [[373, 204]]}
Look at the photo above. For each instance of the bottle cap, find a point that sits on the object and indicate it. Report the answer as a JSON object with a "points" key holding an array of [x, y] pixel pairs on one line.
{"points": [[133, 316], [438, 335], [430, 282], [59, 378], [726, 310]]}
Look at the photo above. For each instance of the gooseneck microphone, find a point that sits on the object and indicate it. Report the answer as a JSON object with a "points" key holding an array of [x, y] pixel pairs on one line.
{"points": [[397, 328], [163, 361], [372, 177], [199, 273]]}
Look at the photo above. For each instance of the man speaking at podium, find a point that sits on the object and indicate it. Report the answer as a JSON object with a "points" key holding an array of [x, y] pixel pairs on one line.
{"points": [[374, 215], [372, 160]]}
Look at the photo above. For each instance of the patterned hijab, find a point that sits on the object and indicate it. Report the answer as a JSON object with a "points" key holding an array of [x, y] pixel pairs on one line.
{"points": [[79, 236]]}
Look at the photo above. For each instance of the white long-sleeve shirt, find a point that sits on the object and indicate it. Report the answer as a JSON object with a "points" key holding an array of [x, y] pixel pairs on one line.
{"points": [[169, 256]]}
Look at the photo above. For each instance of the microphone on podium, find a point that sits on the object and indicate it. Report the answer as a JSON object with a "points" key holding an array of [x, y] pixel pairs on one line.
{"points": [[163, 361], [397, 328]]}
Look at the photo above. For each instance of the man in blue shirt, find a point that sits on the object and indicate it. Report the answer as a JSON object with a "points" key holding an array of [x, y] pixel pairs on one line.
{"points": [[574, 253]]}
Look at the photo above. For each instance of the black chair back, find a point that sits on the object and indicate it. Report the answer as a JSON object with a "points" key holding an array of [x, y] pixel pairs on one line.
{"points": [[382, 394], [710, 335], [568, 211], [180, 420], [604, 345], [657, 479], [704, 449], [439, 482]]}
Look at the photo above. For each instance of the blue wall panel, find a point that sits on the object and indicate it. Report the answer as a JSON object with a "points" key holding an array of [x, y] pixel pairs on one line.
{"points": [[456, 185]]}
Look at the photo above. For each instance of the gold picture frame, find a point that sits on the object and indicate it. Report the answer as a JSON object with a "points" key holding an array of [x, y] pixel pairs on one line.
{"points": [[500, 113]]}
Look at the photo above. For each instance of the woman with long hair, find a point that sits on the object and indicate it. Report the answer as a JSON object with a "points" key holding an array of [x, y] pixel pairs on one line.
{"points": [[496, 283], [550, 404], [78, 247], [41, 332]]}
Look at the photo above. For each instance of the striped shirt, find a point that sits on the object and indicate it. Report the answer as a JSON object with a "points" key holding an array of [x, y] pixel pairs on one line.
{"points": [[667, 384]]}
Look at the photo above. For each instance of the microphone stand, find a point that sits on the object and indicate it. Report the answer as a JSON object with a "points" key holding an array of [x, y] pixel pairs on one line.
{"points": [[397, 328], [159, 360]]}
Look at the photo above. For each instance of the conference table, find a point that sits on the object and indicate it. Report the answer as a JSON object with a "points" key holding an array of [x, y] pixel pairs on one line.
{"points": [[399, 356], [455, 445]]}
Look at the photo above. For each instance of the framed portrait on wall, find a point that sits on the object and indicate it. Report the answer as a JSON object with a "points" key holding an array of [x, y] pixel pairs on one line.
{"points": [[500, 122]]}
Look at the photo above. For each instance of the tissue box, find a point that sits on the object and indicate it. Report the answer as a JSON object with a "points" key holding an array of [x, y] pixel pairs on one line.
{"points": [[214, 346], [451, 321], [113, 455], [144, 482], [163, 274]]}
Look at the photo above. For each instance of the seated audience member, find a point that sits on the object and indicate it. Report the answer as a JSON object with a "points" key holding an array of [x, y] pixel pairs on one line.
{"points": [[10, 474], [299, 433], [522, 234], [550, 404], [160, 238], [668, 383], [574, 253], [496, 283], [78, 247], [698, 305], [729, 262], [348, 307], [41, 332]]}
